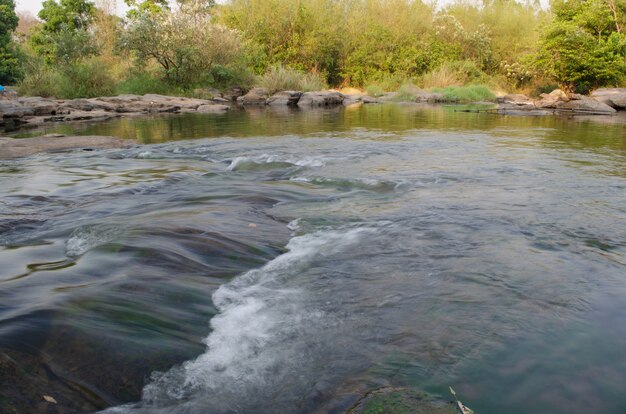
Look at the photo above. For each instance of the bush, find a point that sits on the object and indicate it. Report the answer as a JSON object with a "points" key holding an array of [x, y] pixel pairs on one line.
{"points": [[471, 93], [85, 79], [279, 78]]}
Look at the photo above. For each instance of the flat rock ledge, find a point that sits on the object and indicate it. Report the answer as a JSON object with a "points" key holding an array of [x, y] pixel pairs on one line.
{"points": [[37, 111], [22, 147]]}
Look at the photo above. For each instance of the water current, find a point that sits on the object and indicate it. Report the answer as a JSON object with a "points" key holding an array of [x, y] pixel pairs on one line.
{"points": [[288, 262]]}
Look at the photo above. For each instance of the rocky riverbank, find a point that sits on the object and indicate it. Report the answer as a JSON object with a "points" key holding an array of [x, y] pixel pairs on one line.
{"points": [[18, 112], [33, 111]]}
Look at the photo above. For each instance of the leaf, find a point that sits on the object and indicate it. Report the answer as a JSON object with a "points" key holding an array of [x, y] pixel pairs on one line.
{"points": [[50, 399]]}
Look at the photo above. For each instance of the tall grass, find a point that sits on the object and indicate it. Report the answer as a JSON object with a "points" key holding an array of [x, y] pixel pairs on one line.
{"points": [[280, 78], [470, 93], [86, 79]]}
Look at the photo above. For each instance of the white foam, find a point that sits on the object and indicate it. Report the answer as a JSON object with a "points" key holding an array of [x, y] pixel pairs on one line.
{"points": [[254, 335]]}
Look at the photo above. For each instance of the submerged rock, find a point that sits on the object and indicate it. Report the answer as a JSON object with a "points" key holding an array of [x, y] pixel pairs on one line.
{"points": [[15, 148], [390, 400]]}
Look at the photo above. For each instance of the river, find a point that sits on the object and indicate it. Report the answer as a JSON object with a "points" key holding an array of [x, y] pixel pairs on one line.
{"points": [[277, 261]]}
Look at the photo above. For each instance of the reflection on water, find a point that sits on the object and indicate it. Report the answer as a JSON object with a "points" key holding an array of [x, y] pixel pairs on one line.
{"points": [[326, 254]]}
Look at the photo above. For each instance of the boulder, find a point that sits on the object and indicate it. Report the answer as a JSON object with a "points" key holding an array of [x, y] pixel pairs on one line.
{"points": [[285, 98], [550, 100], [256, 96], [613, 97], [320, 98]]}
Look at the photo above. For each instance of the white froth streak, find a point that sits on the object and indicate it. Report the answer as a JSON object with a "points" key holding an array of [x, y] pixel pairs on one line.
{"points": [[258, 317], [266, 159], [86, 238]]}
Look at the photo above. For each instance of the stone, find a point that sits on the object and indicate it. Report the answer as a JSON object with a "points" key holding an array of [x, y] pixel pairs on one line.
{"points": [[613, 97], [285, 98], [550, 100], [256, 96], [320, 99]]}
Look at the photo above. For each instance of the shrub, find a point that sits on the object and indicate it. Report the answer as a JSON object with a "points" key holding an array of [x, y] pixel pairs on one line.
{"points": [[471, 93]]}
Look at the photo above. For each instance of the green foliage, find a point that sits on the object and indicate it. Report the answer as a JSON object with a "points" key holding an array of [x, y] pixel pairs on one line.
{"points": [[9, 63], [66, 15], [585, 46], [64, 36], [279, 78], [383, 45], [470, 93]]}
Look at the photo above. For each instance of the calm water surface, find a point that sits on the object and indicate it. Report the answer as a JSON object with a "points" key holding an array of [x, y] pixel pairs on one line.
{"points": [[268, 261]]}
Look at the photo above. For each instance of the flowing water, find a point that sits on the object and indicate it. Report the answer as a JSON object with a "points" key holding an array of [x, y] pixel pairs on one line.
{"points": [[288, 262]]}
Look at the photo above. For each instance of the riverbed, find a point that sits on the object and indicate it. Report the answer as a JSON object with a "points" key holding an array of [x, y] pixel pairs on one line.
{"points": [[278, 261]]}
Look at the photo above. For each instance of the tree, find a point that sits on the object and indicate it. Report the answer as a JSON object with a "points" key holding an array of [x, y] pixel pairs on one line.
{"points": [[186, 44], [9, 64], [585, 46], [64, 35]]}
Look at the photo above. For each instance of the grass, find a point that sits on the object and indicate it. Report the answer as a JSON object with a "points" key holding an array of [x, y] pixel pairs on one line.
{"points": [[470, 93], [280, 78]]}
